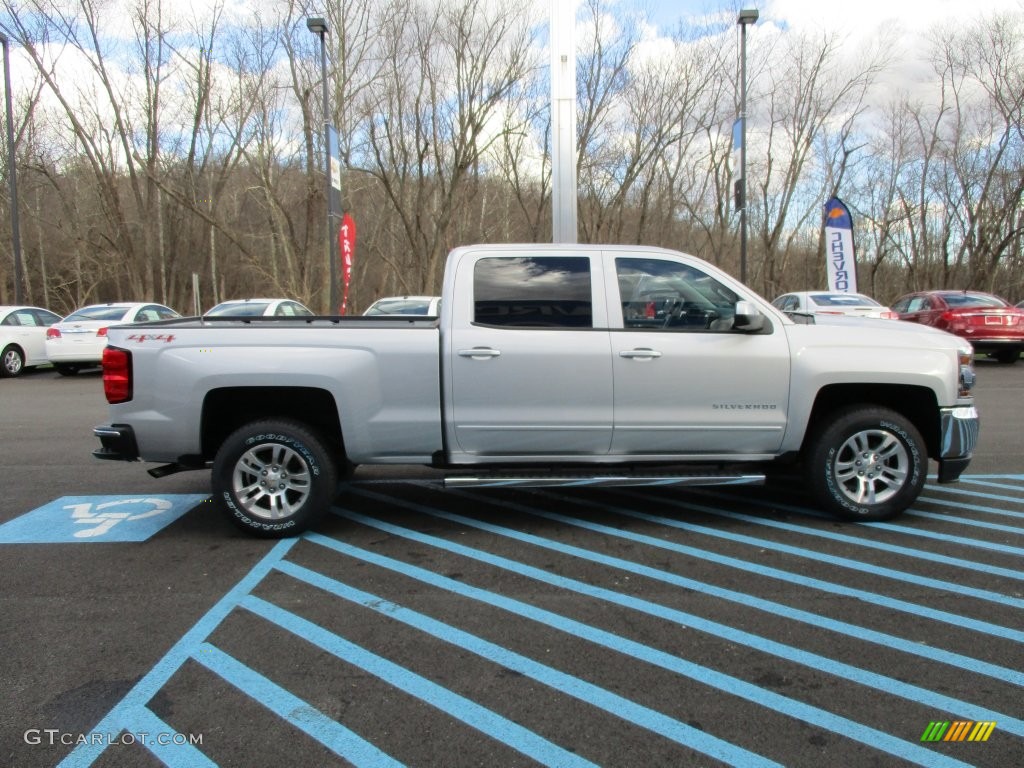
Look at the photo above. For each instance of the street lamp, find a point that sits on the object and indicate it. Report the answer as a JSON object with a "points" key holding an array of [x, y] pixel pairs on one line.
{"points": [[747, 16], [11, 178], [318, 26]]}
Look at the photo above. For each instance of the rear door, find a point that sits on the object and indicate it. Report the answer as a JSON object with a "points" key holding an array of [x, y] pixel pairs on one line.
{"points": [[529, 366], [686, 382]]}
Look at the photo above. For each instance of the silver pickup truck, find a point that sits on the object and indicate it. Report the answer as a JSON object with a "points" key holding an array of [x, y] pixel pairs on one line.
{"points": [[549, 364]]}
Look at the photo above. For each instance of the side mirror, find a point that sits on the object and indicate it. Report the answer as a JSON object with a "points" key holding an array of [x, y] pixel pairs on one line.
{"points": [[748, 317]]}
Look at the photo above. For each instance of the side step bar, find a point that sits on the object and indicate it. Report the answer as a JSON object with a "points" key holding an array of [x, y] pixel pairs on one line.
{"points": [[599, 481]]}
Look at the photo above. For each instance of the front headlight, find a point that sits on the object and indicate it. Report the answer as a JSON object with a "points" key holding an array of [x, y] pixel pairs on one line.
{"points": [[967, 375]]}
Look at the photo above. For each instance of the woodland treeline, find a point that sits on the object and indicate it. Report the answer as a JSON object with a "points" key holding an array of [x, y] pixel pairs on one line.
{"points": [[155, 142]]}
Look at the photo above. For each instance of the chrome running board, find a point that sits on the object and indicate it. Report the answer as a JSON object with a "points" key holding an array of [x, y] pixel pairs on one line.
{"points": [[598, 481]]}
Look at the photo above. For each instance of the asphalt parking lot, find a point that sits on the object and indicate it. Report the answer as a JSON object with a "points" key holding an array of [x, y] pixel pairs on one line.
{"points": [[425, 627]]}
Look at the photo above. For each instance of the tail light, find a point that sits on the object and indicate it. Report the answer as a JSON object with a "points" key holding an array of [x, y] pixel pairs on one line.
{"points": [[887, 315], [954, 321], [117, 375], [53, 333], [102, 332]]}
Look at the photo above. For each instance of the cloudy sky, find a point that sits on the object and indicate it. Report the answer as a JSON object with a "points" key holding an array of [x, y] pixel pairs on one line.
{"points": [[857, 18]]}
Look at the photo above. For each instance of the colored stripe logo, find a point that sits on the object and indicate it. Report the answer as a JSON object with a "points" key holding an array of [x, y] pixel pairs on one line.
{"points": [[958, 730]]}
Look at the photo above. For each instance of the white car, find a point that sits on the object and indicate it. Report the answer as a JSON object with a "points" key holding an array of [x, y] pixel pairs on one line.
{"points": [[259, 308], [23, 338], [78, 340], [428, 306], [830, 303]]}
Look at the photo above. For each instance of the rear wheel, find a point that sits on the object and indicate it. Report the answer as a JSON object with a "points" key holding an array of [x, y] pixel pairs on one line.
{"points": [[868, 463], [12, 362], [274, 478], [1007, 356]]}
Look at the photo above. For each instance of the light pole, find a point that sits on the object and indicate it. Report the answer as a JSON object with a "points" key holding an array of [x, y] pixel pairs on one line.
{"points": [[318, 26], [747, 16], [11, 177]]}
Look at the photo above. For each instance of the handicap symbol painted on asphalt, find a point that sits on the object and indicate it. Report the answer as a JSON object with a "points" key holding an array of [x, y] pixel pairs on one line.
{"points": [[97, 518]]}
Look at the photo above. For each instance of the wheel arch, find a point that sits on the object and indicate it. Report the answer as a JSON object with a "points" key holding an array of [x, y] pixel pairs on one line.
{"points": [[229, 408], [918, 404]]}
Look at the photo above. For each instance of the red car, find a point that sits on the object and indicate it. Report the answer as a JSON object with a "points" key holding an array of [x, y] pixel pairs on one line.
{"points": [[993, 326]]}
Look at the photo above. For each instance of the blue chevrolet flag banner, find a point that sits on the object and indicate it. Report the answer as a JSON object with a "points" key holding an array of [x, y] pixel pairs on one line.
{"points": [[839, 253]]}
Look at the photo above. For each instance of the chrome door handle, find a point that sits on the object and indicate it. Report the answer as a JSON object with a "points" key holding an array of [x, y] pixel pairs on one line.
{"points": [[479, 352], [640, 354]]}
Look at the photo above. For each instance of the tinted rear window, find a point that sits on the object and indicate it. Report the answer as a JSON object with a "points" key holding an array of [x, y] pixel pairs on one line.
{"points": [[843, 300], [972, 300], [533, 292], [98, 313]]}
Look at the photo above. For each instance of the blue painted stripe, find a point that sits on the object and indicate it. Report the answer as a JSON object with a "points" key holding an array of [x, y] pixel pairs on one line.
{"points": [[968, 522], [589, 693], [973, 478], [957, 491], [713, 678], [173, 755], [843, 562], [960, 505], [122, 715], [987, 481], [917, 554], [492, 724], [293, 710]]}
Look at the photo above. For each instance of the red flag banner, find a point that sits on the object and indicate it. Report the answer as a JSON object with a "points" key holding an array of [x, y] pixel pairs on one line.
{"points": [[347, 249]]}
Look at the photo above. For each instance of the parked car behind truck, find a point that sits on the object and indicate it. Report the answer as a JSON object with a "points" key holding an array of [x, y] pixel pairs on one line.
{"points": [[545, 367], [989, 323]]}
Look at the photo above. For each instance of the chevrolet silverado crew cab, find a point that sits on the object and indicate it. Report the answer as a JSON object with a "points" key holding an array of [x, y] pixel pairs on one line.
{"points": [[549, 364]]}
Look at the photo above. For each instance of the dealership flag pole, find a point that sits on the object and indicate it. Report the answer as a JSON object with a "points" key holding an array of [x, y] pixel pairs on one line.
{"points": [[839, 253]]}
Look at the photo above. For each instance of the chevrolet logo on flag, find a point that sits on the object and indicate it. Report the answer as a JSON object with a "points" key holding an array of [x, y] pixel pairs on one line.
{"points": [[958, 730]]}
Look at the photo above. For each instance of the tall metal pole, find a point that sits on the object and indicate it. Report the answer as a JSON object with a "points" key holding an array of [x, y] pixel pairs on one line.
{"points": [[564, 198], [12, 181], [747, 16], [320, 28]]}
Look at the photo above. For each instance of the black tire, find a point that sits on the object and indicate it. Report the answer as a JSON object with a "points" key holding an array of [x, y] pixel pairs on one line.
{"points": [[67, 369], [274, 478], [12, 362], [868, 463], [1007, 356]]}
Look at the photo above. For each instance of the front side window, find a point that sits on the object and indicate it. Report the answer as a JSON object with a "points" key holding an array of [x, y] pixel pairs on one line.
{"points": [[658, 294], [533, 292]]}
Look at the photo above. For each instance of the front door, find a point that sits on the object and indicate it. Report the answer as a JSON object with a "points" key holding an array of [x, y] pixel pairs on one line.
{"points": [[686, 381]]}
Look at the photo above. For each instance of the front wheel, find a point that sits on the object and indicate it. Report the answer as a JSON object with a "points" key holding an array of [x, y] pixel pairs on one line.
{"points": [[869, 463], [274, 478]]}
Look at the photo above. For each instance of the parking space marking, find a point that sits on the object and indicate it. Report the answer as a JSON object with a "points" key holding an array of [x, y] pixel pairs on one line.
{"points": [[132, 713], [619, 706], [848, 539], [956, 660], [97, 519], [292, 709], [782, 650], [482, 719]]}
